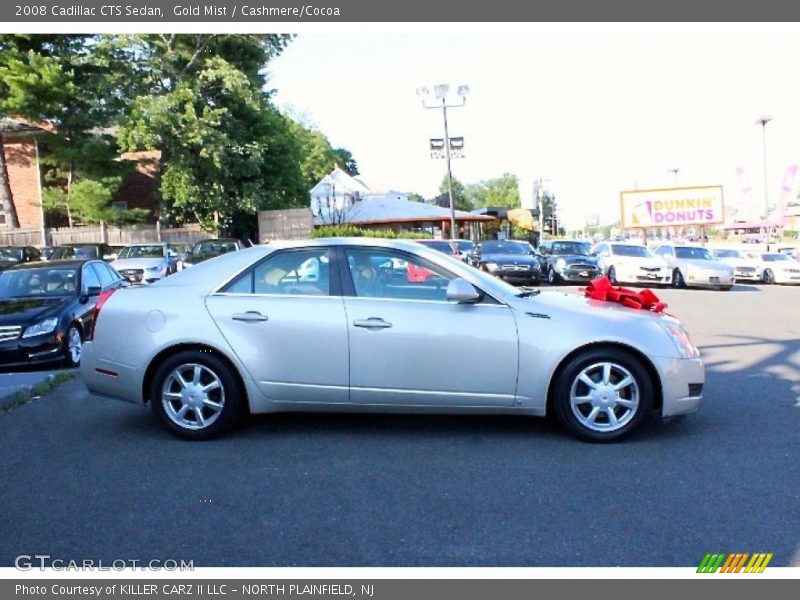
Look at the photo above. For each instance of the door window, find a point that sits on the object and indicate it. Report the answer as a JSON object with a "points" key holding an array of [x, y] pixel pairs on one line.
{"points": [[383, 273], [297, 272]]}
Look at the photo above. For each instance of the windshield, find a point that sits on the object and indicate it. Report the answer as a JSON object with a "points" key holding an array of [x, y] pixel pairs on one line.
{"points": [[570, 248], [638, 251], [440, 246], [694, 253], [32, 283], [775, 257], [14, 254], [214, 248], [142, 252], [465, 245], [728, 254], [504, 248], [85, 251]]}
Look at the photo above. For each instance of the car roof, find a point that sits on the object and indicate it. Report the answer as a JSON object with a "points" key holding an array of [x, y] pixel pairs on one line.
{"points": [[52, 264]]}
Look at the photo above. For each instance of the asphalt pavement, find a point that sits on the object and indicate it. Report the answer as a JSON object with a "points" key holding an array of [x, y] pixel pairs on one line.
{"points": [[86, 478]]}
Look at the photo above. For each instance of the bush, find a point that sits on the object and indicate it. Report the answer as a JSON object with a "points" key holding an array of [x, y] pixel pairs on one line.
{"points": [[353, 231]]}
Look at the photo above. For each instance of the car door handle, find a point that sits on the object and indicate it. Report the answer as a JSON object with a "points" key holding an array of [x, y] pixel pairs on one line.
{"points": [[372, 323], [251, 316]]}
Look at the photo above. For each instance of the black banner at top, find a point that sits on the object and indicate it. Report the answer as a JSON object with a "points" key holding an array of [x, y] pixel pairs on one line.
{"points": [[299, 11]]}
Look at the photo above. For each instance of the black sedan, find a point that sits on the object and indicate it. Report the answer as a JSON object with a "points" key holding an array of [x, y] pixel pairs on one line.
{"points": [[569, 261], [515, 262], [13, 255], [47, 309]]}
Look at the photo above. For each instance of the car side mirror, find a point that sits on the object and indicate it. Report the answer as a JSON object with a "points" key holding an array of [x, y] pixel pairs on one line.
{"points": [[462, 291], [88, 293]]}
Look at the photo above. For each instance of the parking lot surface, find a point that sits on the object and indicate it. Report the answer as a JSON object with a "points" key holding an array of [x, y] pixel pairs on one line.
{"points": [[86, 478]]}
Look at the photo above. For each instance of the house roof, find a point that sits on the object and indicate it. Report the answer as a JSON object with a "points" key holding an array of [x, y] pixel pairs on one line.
{"points": [[380, 211], [342, 182], [18, 127]]}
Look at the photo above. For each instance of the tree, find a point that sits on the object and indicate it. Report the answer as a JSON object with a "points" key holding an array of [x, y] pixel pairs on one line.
{"points": [[500, 191], [345, 161], [460, 198]]}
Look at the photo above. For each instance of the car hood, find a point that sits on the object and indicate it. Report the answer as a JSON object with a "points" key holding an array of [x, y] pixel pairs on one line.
{"points": [[575, 258], [22, 311], [137, 263], [640, 261], [699, 263], [560, 305], [509, 259], [739, 262]]}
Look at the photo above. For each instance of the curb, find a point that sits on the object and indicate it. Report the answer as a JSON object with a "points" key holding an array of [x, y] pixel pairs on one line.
{"points": [[27, 392]]}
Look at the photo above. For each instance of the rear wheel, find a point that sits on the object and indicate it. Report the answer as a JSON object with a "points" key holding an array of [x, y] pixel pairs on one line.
{"points": [[602, 394], [196, 396]]}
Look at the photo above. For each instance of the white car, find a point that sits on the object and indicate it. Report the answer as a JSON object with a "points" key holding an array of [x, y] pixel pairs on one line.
{"points": [[146, 263], [631, 263], [779, 268], [695, 266], [745, 268]]}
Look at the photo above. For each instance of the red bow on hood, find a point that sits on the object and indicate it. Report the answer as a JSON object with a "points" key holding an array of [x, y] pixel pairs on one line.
{"points": [[601, 289]]}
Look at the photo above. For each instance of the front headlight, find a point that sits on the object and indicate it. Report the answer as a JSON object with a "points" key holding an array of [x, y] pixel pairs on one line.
{"points": [[680, 337], [561, 263], [42, 327]]}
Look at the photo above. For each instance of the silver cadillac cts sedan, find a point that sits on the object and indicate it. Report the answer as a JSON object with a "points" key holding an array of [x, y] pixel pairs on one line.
{"points": [[340, 325]]}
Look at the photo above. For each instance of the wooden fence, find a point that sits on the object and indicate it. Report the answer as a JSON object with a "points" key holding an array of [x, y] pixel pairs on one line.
{"points": [[127, 234]]}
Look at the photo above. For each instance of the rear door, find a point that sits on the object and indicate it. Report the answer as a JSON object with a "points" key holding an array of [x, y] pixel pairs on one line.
{"points": [[284, 318]]}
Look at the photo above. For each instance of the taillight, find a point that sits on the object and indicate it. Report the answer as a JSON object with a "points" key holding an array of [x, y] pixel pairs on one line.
{"points": [[101, 300]]}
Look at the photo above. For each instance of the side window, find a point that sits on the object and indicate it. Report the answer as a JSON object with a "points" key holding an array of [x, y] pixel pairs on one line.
{"points": [[383, 273], [103, 275], [89, 278], [664, 251], [296, 272]]}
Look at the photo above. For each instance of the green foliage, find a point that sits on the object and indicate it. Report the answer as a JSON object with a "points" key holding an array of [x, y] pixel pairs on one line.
{"points": [[461, 199], [89, 201], [500, 191], [353, 231], [345, 161]]}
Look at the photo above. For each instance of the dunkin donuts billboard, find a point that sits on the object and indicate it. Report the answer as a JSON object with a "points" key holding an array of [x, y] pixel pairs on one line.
{"points": [[676, 206]]}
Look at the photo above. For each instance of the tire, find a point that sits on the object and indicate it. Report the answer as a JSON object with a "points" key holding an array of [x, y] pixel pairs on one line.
{"points": [[188, 415], [602, 413], [677, 279], [768, 277], [552, 277], [73, 346], [612, 276], [725, 288]]}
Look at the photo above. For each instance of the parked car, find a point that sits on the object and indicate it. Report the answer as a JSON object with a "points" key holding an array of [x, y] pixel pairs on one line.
{"points": [[790, 251], [631, 263], [419, 274], [14, 255], [183, 249], [47, 252], [115, 250], [695, 266], [568, 261], [80, 251], [465, 247], [146, 263], [236, 335], [744, 267], [779, 268], [211, 248], [47, 309], [508, 260]]}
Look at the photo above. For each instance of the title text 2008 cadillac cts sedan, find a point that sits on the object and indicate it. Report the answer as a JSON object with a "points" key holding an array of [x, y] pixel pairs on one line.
{"points": [[338, 325]]}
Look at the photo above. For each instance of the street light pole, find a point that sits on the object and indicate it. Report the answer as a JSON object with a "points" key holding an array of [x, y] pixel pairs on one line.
{"points": [[763, 122], [440, 91]]}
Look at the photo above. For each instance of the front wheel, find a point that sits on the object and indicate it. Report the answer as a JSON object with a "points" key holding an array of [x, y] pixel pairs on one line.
{"points": [[677, 279], [73, 346], [196, 396], [552, 277], [602, 394], [769, 276], [612, 276]]}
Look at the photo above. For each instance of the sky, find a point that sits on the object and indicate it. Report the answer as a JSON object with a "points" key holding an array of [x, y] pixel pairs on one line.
{"points": [[591, 109]]}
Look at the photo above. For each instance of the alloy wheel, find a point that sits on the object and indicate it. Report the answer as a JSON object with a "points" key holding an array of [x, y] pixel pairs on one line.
{"points": [[604, 397], [193, 396]]}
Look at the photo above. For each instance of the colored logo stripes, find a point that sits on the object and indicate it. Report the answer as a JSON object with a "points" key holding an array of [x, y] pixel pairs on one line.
{"points": [[735, 563]]}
